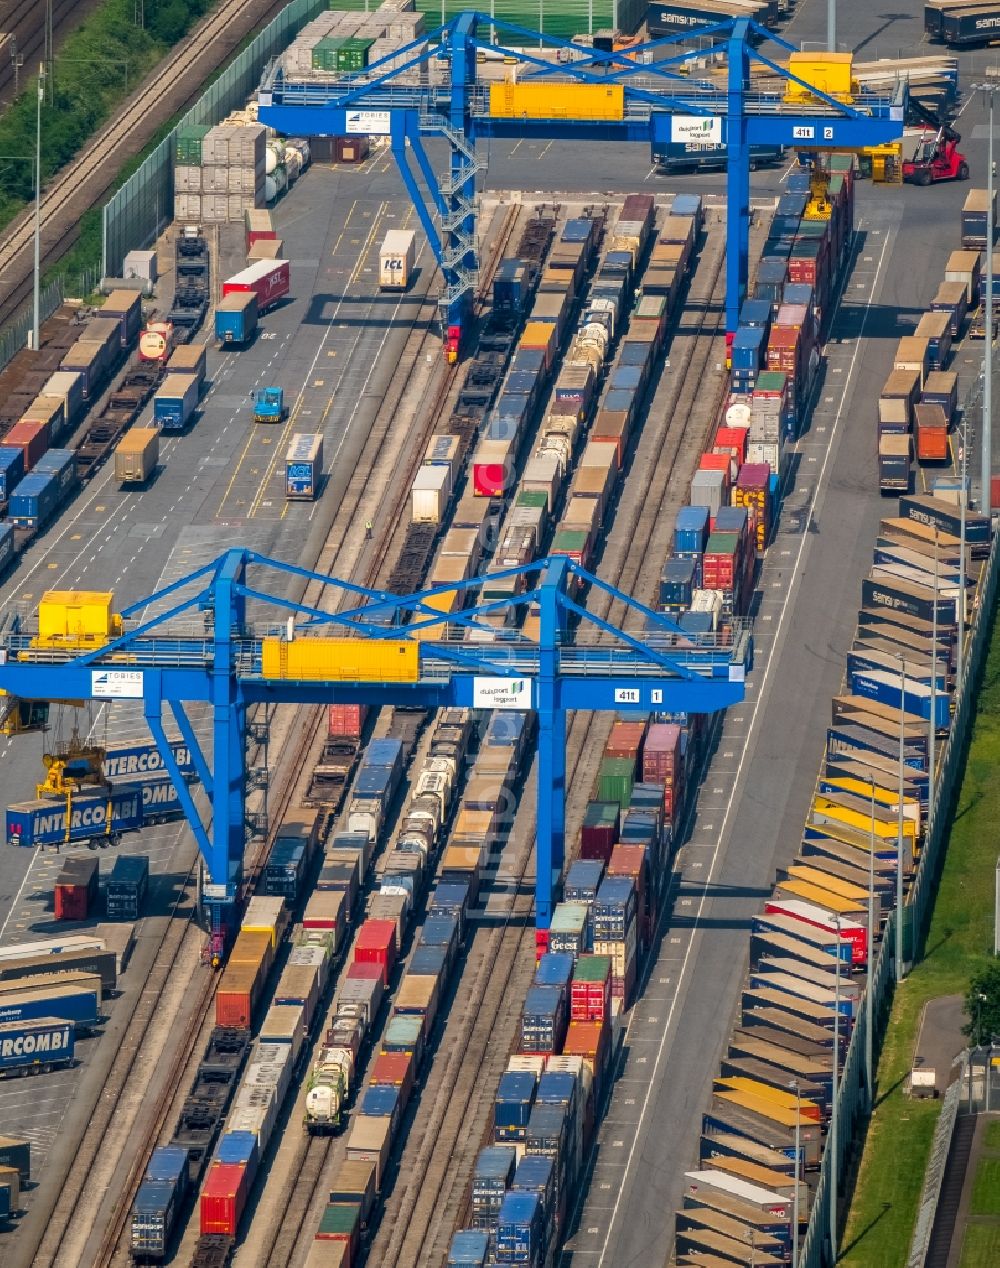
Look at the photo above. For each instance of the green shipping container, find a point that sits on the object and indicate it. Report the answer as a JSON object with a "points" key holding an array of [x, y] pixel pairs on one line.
{"points": [[189, 140], [341, 1220], [592, 968], [841, 162], [352, 55], [569, 18], [324, 54], [533, 497], [616, 779], [771, 381], [722, 544], [570, 541]]}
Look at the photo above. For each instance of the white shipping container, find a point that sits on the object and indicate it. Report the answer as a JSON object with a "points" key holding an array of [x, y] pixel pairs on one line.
{"points": [[764, 429], [766, 451], [187, 180], [141, 264], [396, 258], [188, 208], [429, 493], [215, 180]]}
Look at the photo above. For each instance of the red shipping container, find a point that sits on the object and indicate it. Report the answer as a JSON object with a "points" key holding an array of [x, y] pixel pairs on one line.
{"points": [[394, 1069], [223, 1199], [267, 279], [733, 438], [71, 902], [718, 570], [719, 462], [31, 437], [631, 860], [662, 752], [346, 721], [637, 207], [368, 970], [591, 1001], [994, 492], [489, 479], [625, 740], [376, 944]]}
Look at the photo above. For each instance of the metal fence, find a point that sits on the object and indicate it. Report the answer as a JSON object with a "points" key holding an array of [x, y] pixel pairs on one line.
{"points": [[15, 334], [936, 1166], [853, 1096], [139, 212]]}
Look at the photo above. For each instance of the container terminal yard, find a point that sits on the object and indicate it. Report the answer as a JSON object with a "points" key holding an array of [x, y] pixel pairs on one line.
{"points": [[375, 1029]]}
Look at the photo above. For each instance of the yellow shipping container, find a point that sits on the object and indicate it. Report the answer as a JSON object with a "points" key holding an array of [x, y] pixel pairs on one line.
{"points": [[820, 897], [883, 796], [885, 829], [557, 101], [76, 618], [831, 73], [764, 1107], [765, 1092], [341, 659]]}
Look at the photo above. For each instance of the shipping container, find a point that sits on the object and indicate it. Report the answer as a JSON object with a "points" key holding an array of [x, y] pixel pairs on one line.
{"points": [[137, 454], [303, 467], [268, 280], [396, 259], [236, 318], [175, 401]]}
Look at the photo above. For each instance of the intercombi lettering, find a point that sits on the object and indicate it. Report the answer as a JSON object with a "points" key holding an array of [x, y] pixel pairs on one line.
{"points": [[49, 1041]]}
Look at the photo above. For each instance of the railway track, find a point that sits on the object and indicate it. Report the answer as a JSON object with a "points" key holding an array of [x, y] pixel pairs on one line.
{"points": [[23, 37], [422, 1214], [80, 184], [275, 1245]]}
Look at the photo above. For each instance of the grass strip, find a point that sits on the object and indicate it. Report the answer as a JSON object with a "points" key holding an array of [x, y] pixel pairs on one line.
{"points": [[959, 942]]}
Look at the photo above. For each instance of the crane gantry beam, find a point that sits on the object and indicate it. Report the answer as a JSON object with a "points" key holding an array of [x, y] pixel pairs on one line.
{"points": [[433, 87], [217, 640]]}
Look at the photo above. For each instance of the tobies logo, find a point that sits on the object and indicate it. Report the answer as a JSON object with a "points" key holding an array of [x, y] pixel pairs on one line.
{"points": [[501, 693]]}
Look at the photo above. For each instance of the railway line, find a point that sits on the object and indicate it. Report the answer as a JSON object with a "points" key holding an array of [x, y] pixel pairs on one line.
{"points": [[23, 37], [80, 184], [423, 1212]]}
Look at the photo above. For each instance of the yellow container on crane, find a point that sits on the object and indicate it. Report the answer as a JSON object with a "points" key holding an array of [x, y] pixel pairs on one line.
{"points": [[76, 619], [557, 101], [831, 73], [341, 659]]}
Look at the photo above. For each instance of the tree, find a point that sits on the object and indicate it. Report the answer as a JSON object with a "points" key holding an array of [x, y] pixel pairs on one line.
{"points": [[982, 1004]]}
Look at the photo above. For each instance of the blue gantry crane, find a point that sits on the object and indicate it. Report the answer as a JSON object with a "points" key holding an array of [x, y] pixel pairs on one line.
{"points": [[437, 88], [260, 647]]}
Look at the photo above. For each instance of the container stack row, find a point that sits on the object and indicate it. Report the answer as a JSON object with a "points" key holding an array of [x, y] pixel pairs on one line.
{"points": [[918, 404], [820, 928], [469, 823], [347, 43], [220, 172]]}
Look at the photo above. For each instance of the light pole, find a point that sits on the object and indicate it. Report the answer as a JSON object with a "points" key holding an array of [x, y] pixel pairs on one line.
{"points": [[988, 88], [996, 910], [960, 611], [831, 25], [834, 1160], [794, 1085], [869, 994], [38, 207], [932, 728], [899, 830]]}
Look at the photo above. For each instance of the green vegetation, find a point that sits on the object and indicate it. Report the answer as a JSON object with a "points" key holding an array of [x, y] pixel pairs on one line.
{"points": [[991, 1136], [90, 73], [982, 1004], [981, 1248], [959, 944], [986, 1188]]}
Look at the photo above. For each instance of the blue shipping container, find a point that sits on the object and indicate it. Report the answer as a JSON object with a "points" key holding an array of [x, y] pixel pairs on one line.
{"points": [[555, 968], [469, 1248], [44, 822], [35, 500], [7, 547], [11, 470], [153, 1215], [691, 529], [60, 463]]}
